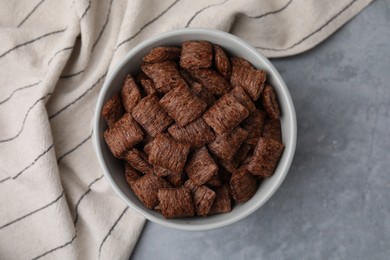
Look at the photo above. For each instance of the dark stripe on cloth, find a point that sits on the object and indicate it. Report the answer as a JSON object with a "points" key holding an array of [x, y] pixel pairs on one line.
{"points": [[72, 75], [30, 13], [19, 89], [35, 160], [311, 34], [82, 197], [78, 98], [5, 179], [74, 148], [111, 229], [147, 24], [33, 212], [24, 120], [86, 10], [104, 26], [201, 10], [56, 248], [271, 12], [55, 54], [30, 41]]}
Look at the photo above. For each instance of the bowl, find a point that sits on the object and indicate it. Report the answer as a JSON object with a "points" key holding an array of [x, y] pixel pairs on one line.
{"points": [[113, 169]]}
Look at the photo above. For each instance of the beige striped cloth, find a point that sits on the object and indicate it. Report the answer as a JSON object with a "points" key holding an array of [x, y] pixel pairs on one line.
{"points": [[54, 57]]}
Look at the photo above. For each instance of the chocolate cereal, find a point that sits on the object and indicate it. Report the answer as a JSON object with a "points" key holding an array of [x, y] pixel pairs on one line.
{"points": [[148, 86], [168, 153], [223, 201], [165, 75], [203, 93], [176, 180], [112, 110], [270, 103], [226, 113], [182, 105], [131, 174], [201, 167], [131, 94], [243, 185], [254, 126], [138, 160], [214, 181], [239, 158], [238, 62], [211, 80], [151, 116], [146, 188], [161, 171], [251, 80], [243, 98], [159, 54], [272, 129], [195, 55], [225, 146], [204, 198], [197, 131], [176, 202], [265, 158], [123, 135], [222, 63]]}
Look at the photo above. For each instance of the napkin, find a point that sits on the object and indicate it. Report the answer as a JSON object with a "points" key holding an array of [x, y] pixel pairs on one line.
{"points": [[54, 57]]}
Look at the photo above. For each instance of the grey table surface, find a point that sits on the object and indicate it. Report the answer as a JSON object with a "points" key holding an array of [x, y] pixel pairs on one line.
{"points": [[335, 201]]}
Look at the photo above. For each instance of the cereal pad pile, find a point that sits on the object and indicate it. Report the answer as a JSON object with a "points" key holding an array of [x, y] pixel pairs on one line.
{"points": [[197, 130]]}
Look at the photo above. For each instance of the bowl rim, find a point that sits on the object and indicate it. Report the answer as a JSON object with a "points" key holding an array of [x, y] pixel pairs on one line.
{"points": [[290, 151]]}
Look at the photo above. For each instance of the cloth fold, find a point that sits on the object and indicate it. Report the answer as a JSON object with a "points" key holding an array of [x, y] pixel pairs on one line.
{"points": [[54, 57]]}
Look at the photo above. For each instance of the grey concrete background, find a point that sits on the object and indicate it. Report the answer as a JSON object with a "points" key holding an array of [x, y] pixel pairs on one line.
{"points": [[335, 201]]}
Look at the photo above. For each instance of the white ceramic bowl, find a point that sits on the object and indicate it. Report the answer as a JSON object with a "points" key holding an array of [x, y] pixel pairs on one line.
{"points": [[234, 46]]}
